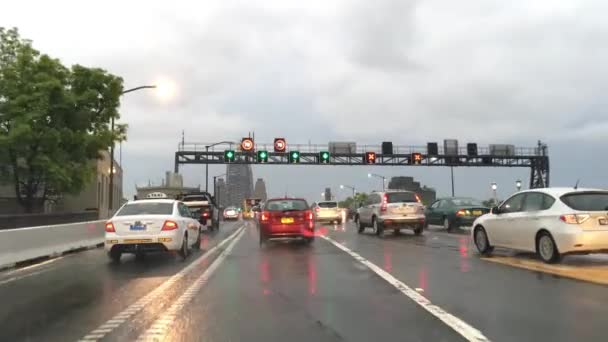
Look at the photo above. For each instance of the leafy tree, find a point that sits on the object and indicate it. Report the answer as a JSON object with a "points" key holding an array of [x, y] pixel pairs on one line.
{"points": [[53, 121], [350, 201]]}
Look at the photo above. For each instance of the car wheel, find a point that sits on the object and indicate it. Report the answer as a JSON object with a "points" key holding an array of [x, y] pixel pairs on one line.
{"points": [[481, 241], [184, 251], [115, 255], [197, 244], [378, 229], [418, 230], [547, 249], [360, 226], [447, 225]]}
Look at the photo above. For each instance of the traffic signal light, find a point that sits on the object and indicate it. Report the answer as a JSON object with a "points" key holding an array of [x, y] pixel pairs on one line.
{"points": [[280, 145], [294, 156], [416, 158], [262, 156], [247, 145], [324, 157], [229, 155], [370, 157]]}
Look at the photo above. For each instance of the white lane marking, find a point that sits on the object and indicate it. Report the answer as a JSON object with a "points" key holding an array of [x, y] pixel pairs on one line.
{"points": [[159, 328], [134, 308], [460, 326], [15, 278]]}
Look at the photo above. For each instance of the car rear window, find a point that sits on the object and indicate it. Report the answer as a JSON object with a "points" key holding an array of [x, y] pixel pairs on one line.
{"points": [[587, 201], [146, 209], [399, 197], [328, 204], [466, 202], [283, 205]]}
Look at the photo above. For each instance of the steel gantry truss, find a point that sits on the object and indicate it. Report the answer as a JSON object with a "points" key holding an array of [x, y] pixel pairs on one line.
{"points": [[536, 159]]}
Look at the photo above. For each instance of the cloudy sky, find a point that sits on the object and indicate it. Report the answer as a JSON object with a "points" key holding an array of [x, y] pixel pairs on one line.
{"points": [[485, 71]]}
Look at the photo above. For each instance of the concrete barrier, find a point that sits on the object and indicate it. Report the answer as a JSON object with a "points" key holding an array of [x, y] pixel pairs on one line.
{"points": [[23, 244]]}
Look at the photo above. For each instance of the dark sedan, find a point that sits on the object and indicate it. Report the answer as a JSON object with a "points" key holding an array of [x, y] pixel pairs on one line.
{"points": [[454, 212]]}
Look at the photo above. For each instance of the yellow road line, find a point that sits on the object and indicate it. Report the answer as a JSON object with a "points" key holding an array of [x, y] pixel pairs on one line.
{"points": [[592, 274]]}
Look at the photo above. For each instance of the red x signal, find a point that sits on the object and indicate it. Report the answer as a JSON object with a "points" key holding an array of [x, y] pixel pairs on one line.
{"points": [[370, 157]]}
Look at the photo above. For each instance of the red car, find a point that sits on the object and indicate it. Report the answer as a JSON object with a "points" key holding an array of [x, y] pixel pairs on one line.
{"points": [[286, 218]]}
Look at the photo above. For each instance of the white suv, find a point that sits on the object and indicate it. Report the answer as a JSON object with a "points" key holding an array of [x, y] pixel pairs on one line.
{"points": [[391, 209]]}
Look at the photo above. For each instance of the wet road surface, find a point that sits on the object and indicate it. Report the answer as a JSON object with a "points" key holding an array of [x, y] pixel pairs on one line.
{"points": [[292, 291]]}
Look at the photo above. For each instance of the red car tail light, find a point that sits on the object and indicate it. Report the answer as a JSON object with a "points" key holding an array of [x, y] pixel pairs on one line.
{"points": [[110, 227], [308, 215], [169, 225], [418, 198], [265, 216], [574, 218], [460, 213], [317, 209], [205, 214], [384, 203]]}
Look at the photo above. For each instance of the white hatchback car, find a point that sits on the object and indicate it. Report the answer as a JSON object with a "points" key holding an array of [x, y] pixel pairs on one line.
{"points": [[551, 222], [152, 225]]}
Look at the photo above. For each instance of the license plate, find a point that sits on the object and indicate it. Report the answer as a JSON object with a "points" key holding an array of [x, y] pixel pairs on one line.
{"points": [[603, 221], [134, 227], [138, 240], [285, 220], [477, 212]]}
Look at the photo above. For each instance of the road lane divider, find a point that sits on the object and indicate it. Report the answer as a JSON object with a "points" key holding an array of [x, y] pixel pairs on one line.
{"points": [[157, 331], [464, 329], [121, 317], [597, 274]]}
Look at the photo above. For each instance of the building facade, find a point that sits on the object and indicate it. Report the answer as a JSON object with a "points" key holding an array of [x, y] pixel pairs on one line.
{"points": [[427, 194], [239, 183], [259, 190], [172, 185]]}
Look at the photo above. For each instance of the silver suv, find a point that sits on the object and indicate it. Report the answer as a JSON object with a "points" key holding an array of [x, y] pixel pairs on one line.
{"points": [[391, 209]]}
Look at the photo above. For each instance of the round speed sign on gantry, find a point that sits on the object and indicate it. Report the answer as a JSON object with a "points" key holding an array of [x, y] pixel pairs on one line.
{"points": [[247, 144], [280, 145]]}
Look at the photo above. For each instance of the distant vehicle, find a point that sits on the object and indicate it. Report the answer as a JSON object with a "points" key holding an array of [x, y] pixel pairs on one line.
{"points": [[454, 212], [391, 209], [328, 211], [551, 222], [203, 205], [152, 225], [249, 203], [286, 218], [231, 213]]}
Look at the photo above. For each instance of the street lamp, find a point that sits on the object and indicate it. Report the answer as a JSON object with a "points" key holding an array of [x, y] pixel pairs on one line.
{"points": [[494, 188], [349, 187], [111, 192], [370, 175], [207, 163], [518, 184], [216, 192]]}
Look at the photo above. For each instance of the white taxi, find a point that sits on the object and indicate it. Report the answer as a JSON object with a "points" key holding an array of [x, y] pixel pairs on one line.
{"points": [[551, 222], [152, 225]]}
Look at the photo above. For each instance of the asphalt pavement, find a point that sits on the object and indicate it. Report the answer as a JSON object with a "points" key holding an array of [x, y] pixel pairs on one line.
{"points": [[345, 287]]}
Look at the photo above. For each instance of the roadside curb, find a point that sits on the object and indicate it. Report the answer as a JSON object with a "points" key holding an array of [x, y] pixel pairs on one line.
{"points": [[33, 261]]}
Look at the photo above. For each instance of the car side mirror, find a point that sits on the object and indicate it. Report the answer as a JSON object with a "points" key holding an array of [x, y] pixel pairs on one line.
{"points": [[495, 210]]}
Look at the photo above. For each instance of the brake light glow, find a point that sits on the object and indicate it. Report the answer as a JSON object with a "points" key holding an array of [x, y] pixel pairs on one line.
{"points": [[574, 218], [418, 198], [317, 208], [205, 214], [384, 203], [169, 225], [110, 227], [308, 215], [463, 212], [265, 216]]}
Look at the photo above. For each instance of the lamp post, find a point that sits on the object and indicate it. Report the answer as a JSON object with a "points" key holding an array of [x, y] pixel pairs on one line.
{"points": [[518, 184], [112, 169], [494, 188], [370, 175], [349, 187], [207, 164]]}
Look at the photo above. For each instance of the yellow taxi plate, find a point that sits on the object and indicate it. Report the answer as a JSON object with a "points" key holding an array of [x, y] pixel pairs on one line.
{"points": [[138, 240], [287, 220], [477, 212]]}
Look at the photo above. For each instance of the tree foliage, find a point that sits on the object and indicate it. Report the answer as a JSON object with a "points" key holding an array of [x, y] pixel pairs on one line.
{"points": [[53, 121], [351, 202]]}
